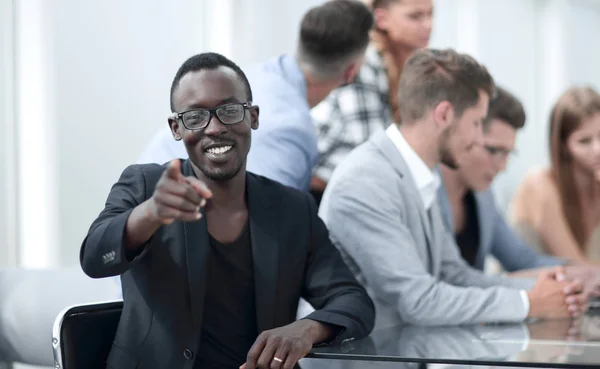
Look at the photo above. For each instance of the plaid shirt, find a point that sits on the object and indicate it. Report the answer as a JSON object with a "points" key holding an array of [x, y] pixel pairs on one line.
{"points": [[351, 114]]}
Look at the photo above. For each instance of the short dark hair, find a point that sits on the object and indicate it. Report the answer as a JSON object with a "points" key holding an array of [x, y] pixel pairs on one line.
{"points": [[431, 76], [208, 61], [507, 108], [333, 33]]}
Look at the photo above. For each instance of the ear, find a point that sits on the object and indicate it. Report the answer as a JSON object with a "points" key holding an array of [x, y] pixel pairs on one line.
{"points": [[175, 129], [443, 115], [381, 18], [351, 71], [254, 110]]}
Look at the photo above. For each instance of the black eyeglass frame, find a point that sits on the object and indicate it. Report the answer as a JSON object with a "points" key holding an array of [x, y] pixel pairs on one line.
{"points": [[211, 113]]}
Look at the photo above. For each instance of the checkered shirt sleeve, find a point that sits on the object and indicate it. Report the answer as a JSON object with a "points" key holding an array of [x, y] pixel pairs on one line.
{"points": [[350, 115]]}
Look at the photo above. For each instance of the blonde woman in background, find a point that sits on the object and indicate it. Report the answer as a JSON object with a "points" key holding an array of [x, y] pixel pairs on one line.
{"points": [[558, 209], [352, 113]]}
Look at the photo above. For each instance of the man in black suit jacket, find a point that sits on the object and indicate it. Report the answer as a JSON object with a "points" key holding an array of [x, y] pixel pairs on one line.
{"points": [[213, 259]]}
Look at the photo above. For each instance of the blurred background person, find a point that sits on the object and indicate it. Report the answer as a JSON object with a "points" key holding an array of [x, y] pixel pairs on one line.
{"points": [[469, 207], [333, 39], [467, 203], [381, 210], [352, 113], [558, 209]]}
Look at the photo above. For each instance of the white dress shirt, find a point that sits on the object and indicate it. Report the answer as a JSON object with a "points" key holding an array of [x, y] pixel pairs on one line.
{"points": [[427, 180]]}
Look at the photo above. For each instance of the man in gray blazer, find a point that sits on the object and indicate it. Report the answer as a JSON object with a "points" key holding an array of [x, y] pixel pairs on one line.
{"points": [[469, 208], [381, 211]]}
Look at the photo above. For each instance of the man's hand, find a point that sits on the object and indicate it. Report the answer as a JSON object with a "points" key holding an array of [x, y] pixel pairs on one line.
{"points": [[552, 298], [177, 197], [283, 347]]}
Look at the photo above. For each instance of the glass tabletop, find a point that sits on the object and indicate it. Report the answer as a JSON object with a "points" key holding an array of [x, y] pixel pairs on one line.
{"points": [[548, 344]]}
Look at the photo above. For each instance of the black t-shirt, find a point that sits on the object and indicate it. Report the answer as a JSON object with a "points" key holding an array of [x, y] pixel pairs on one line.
{"points": [[229, 323], [468, 238]]}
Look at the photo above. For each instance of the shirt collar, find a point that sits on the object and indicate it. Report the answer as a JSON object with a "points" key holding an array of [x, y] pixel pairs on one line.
{"points": [[426, 180]]}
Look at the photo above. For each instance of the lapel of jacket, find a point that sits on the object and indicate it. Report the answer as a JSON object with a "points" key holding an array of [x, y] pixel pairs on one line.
{"points": [[391, 153], [264, 235], [444, 202], [485, 219], [197, 251]]}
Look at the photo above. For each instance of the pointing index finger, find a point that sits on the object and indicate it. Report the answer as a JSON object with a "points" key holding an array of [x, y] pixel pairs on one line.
{"points": [[174, 169], [200, 187]]}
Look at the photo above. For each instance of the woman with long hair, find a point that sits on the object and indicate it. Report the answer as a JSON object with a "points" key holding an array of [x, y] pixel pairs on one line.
{"points": [[352, 113], [558, 208]]}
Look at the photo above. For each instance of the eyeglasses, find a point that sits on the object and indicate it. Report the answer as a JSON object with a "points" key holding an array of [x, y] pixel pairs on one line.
{"points": [[498, 152], [196, 119]]}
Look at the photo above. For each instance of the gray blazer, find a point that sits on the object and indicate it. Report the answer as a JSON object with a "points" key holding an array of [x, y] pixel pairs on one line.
{"points": [[411, 267], [496, 237]]}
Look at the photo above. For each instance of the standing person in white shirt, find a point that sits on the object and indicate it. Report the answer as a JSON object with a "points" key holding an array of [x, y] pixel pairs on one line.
{"points": [[381, 211]]}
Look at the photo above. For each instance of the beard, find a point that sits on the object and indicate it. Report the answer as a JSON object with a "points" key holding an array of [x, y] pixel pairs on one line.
{"points": [[447, 157], [221, 174]]}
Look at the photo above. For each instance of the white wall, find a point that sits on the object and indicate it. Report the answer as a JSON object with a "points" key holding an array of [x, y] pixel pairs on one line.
{"points": [[583, 56], [7, 163], [107, 67], [266, 28], [115, 61]]}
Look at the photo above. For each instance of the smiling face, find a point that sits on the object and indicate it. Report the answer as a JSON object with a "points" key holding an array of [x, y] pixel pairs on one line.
{"points": [[218, 150]]}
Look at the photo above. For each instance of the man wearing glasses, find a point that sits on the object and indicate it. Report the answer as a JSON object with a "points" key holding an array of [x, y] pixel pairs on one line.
{"points": [[332, 42], [213, 259], [469, 208]]}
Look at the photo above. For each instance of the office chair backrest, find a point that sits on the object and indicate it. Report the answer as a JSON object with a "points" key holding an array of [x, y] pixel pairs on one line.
{"points": [[82, 335]]}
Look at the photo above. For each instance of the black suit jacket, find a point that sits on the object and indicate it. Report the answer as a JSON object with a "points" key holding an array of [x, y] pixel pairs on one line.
{"points": [[164, 286]]}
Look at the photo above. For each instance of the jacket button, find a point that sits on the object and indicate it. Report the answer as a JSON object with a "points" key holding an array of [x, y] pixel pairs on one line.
{"points": [[187, 354]]}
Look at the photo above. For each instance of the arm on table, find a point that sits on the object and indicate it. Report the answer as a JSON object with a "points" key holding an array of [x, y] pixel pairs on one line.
{"points": [[332, 289], [512, 252], [373, 233]]}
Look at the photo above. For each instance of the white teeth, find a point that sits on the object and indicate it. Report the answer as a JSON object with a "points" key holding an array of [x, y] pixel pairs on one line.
{"points": [[219, 150]]}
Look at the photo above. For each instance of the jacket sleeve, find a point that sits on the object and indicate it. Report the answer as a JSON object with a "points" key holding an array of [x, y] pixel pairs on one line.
{"points": [[456, 271], [332, 289], [512, 253], [102, 252]]}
